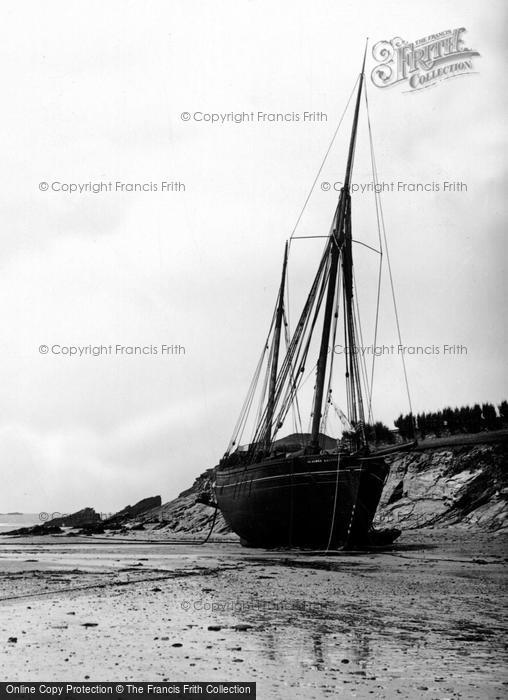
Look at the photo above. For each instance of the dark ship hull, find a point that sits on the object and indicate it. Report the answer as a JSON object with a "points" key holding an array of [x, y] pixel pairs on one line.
{"points": [[312, 501]]}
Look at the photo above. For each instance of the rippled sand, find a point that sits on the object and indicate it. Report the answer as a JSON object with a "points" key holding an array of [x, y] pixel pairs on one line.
{"points": [[424, 619]]}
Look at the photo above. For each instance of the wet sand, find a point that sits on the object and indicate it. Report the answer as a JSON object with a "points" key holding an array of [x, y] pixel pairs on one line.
{"points": [[423, 619]]}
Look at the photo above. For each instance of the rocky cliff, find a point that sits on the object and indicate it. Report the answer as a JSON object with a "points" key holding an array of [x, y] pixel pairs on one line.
{"points": [[464, 485], [184, 515]]}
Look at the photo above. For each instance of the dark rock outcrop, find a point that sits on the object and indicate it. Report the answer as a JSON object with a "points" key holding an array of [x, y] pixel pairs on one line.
{"points": [[135, 511], [44, 529], [139, 508], [85, 516], [93, 529]]}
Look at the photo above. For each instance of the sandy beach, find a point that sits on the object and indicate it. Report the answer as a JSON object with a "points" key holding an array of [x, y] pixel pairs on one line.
{"points": [[423, 619]]}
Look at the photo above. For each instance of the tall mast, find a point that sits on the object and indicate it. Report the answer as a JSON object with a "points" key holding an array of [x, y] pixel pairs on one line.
{"points": [[275, 357], [335, 243]]}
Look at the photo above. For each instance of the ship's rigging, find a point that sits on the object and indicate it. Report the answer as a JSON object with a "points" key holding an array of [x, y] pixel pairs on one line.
{"points": [[331, 303]]}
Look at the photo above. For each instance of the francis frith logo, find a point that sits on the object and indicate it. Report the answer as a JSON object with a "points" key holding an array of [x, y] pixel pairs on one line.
{"points": [[422, 63]]}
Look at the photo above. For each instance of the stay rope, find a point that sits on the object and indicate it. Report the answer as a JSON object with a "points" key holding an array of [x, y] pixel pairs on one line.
{"points": [[323, 161], [382, 231]]}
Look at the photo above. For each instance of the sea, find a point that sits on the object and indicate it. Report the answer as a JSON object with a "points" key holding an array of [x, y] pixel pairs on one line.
{"points": [[12, 521]]}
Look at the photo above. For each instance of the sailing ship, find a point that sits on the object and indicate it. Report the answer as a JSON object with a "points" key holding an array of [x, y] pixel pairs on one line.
{"points": [[308, 490]]}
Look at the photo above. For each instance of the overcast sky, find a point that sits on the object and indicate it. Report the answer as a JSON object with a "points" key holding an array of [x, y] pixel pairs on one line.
{"points": [[94, 92]]}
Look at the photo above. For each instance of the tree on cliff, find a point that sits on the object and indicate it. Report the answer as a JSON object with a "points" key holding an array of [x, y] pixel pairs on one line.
{"points": [[476, 418], [489, 416], [465, 419], [405, 424], [380, 432], [422, 425]]}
